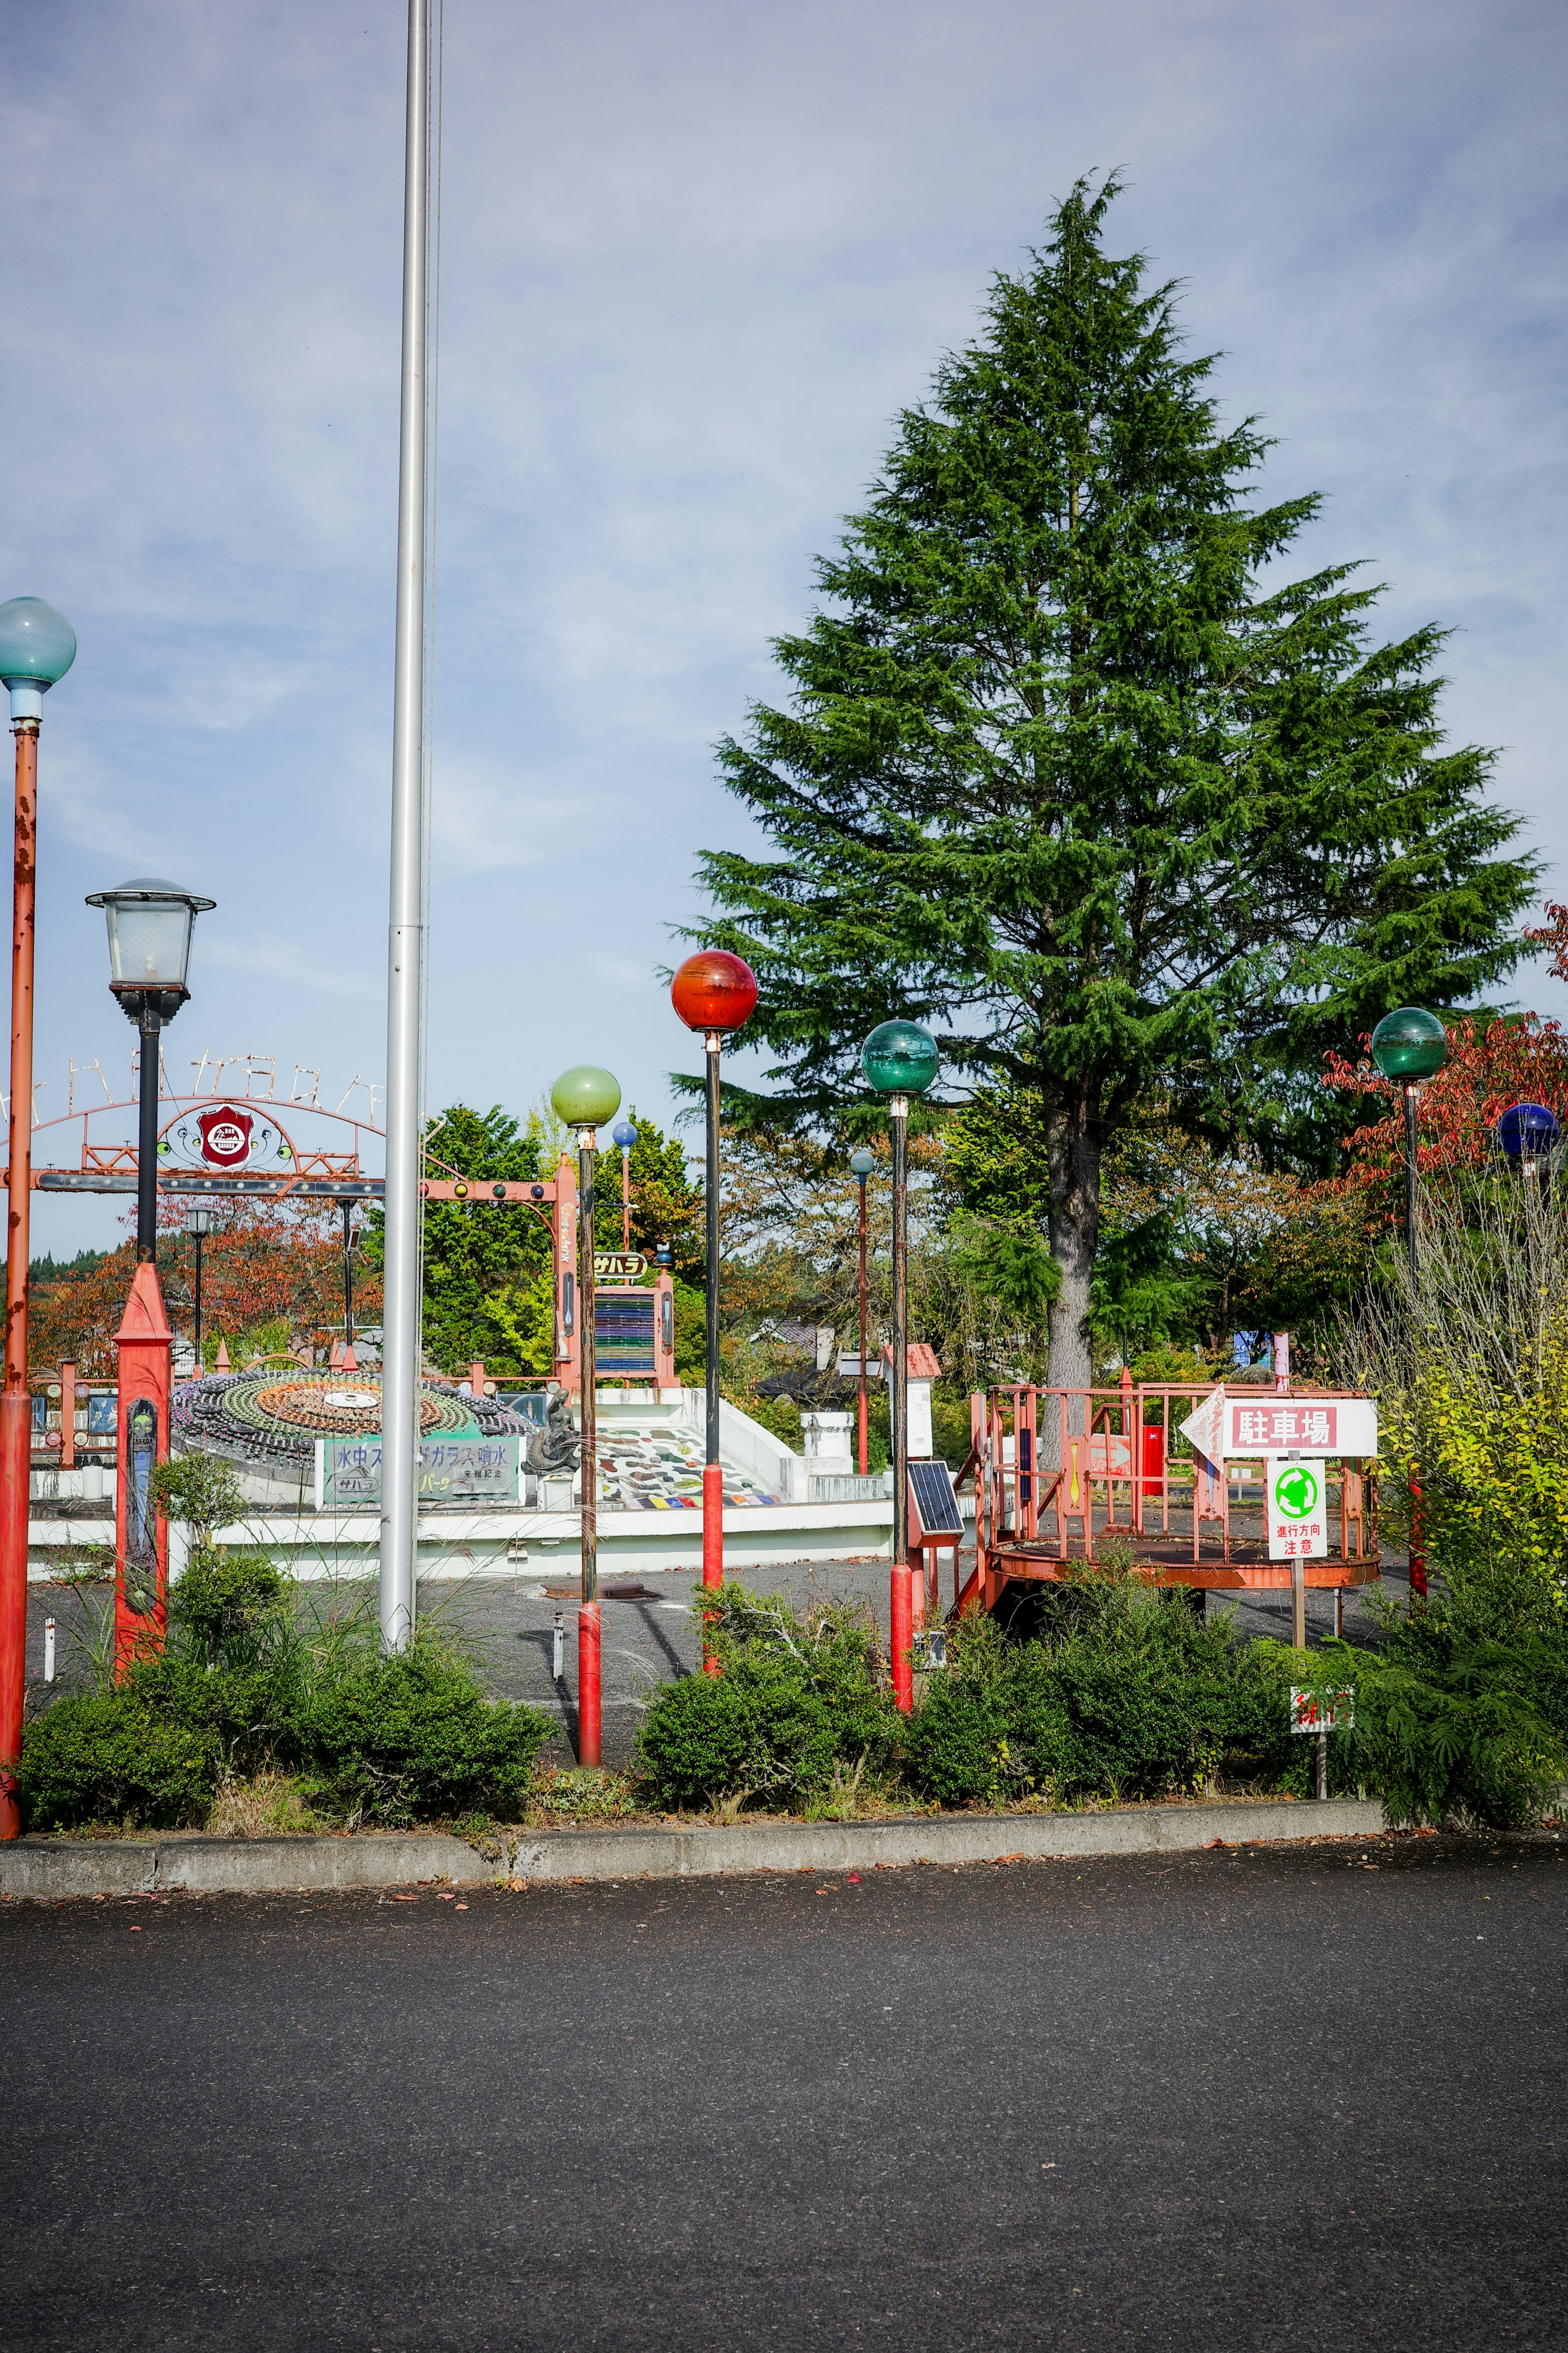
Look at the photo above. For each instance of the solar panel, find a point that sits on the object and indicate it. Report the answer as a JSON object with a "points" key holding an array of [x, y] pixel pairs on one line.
{"points": [[936, 1501]]}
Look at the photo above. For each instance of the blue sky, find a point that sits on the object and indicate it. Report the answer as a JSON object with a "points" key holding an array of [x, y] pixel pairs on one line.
{"points": [[694, 259]]}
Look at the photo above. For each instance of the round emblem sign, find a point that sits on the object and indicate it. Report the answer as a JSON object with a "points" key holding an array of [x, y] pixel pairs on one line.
{"points": [[226, 1135]]}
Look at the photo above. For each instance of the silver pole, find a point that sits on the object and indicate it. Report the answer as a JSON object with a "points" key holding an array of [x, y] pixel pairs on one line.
{"points": [[400, 1321]]}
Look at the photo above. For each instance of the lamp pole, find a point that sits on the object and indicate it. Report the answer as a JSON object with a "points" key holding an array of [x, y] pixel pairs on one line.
{"points": [[37, 646], [715, 993], [585, 1098], [402, 1337], [899, 1060], [625, 1135], [1409, 1045], [198, 1225], [348, 1275], [862, 1163]]}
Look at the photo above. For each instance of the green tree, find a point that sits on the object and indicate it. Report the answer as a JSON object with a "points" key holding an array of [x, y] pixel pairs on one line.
{"points": [[476, 1251], [667, 1206], [1065, 775]]}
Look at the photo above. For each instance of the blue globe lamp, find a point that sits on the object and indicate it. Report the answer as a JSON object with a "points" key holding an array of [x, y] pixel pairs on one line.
{"points": [[1528, 1131], [37, 646]]}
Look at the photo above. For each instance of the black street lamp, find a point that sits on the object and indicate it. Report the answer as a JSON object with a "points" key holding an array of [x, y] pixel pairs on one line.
{"points": [[149, 952], [198, 1225]]}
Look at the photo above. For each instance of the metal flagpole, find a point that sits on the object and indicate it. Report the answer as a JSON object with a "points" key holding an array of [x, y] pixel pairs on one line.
{"points": [[401, 1318]]}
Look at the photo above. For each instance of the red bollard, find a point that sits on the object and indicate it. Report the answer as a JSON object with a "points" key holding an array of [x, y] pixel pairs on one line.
{"points": [[713, 1543], [588, 1683], [1417, 1546], [917, 1599], [903, 1673]]}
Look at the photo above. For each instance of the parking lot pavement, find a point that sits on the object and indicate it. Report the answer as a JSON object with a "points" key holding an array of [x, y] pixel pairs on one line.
{"points": [[1267, 2099]]}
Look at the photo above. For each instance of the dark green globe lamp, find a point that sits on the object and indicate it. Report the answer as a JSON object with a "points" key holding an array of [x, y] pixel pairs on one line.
{"points": [[585, 1097], [1408, 1046], [899, 1060]]}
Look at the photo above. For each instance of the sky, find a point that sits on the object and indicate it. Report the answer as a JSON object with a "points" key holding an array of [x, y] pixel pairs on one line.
{"points": [[694, 259]]}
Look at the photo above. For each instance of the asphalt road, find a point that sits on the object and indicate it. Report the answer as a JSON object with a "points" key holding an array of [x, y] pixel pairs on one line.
{"points": [[1316, 2097]]}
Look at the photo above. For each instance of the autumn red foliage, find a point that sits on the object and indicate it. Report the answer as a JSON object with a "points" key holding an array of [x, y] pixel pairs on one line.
{"points": [[1523, 1061], [1554, 935], [265, 1263]]}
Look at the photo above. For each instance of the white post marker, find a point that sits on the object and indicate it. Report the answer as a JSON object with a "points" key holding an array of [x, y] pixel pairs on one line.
{"points": [[49, 1650]]}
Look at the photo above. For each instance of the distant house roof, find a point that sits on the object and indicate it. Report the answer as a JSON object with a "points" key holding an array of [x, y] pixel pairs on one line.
{"points": [[920, 1362]]}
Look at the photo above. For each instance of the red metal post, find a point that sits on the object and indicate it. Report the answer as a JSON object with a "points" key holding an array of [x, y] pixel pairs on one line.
{"points": [[568, 1321], [626, 1200], [862, 1433], [140, 1538], [588, 1683], [68, 1417], [16, 1404], [1417, 1546], [902, 1636], [712, 1475]]}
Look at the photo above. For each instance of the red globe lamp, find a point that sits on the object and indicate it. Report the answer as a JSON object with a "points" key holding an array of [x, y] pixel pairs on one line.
{"points": [[714, 990]]}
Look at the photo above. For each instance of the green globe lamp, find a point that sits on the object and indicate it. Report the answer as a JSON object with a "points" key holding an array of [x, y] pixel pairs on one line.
{"points": [[585, 1097]]}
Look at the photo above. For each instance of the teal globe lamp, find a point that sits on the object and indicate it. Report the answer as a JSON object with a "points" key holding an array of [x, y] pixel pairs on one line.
{"points": [[37, 646], [585, 1097], [899, 1060]]}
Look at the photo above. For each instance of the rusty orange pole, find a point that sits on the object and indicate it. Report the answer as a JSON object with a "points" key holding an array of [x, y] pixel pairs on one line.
{"points": [[15, 1405]]}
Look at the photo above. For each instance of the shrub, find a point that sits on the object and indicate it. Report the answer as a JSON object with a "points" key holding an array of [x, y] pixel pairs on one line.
{"points": [[108, 1757], [225, 1593], [414, 1735], [798, 1697]]}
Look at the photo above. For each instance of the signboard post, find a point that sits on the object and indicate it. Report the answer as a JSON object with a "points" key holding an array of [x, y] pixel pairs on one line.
{"points": [[1320, 1712]]}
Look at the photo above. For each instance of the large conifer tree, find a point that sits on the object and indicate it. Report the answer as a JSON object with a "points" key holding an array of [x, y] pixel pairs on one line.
{"points": [[1064, 777]]}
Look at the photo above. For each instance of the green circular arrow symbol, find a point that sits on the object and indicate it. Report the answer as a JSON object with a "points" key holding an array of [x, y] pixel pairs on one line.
{"points": [[1295, 1492]]}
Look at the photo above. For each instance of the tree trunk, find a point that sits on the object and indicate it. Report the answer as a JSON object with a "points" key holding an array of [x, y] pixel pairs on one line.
{"points": [[1074, 1230]]}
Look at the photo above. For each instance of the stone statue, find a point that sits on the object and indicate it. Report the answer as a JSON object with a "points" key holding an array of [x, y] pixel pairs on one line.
{"points": [[553, 1452]]}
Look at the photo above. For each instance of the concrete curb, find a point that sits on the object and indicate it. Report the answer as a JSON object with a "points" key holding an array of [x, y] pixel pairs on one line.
{"points": [[56, 1871]]}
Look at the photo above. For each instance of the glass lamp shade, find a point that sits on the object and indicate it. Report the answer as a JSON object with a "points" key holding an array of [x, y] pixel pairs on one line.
{"points": [[1409, 1044], [148, 932], [714, 990], [1526, 1130], [198, 1221], [586, 1096], [624, 1133], [900, 1059], [38, 645], [862, 1163]]}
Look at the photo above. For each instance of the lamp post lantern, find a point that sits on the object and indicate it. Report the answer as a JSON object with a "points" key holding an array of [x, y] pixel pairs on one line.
{"points": [[899, 1060], [862, 1163], [37, 646], [585, 1097], [716, 992], [149, 952], [198, 1225], [1411, 1045], [625, 1135]]}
